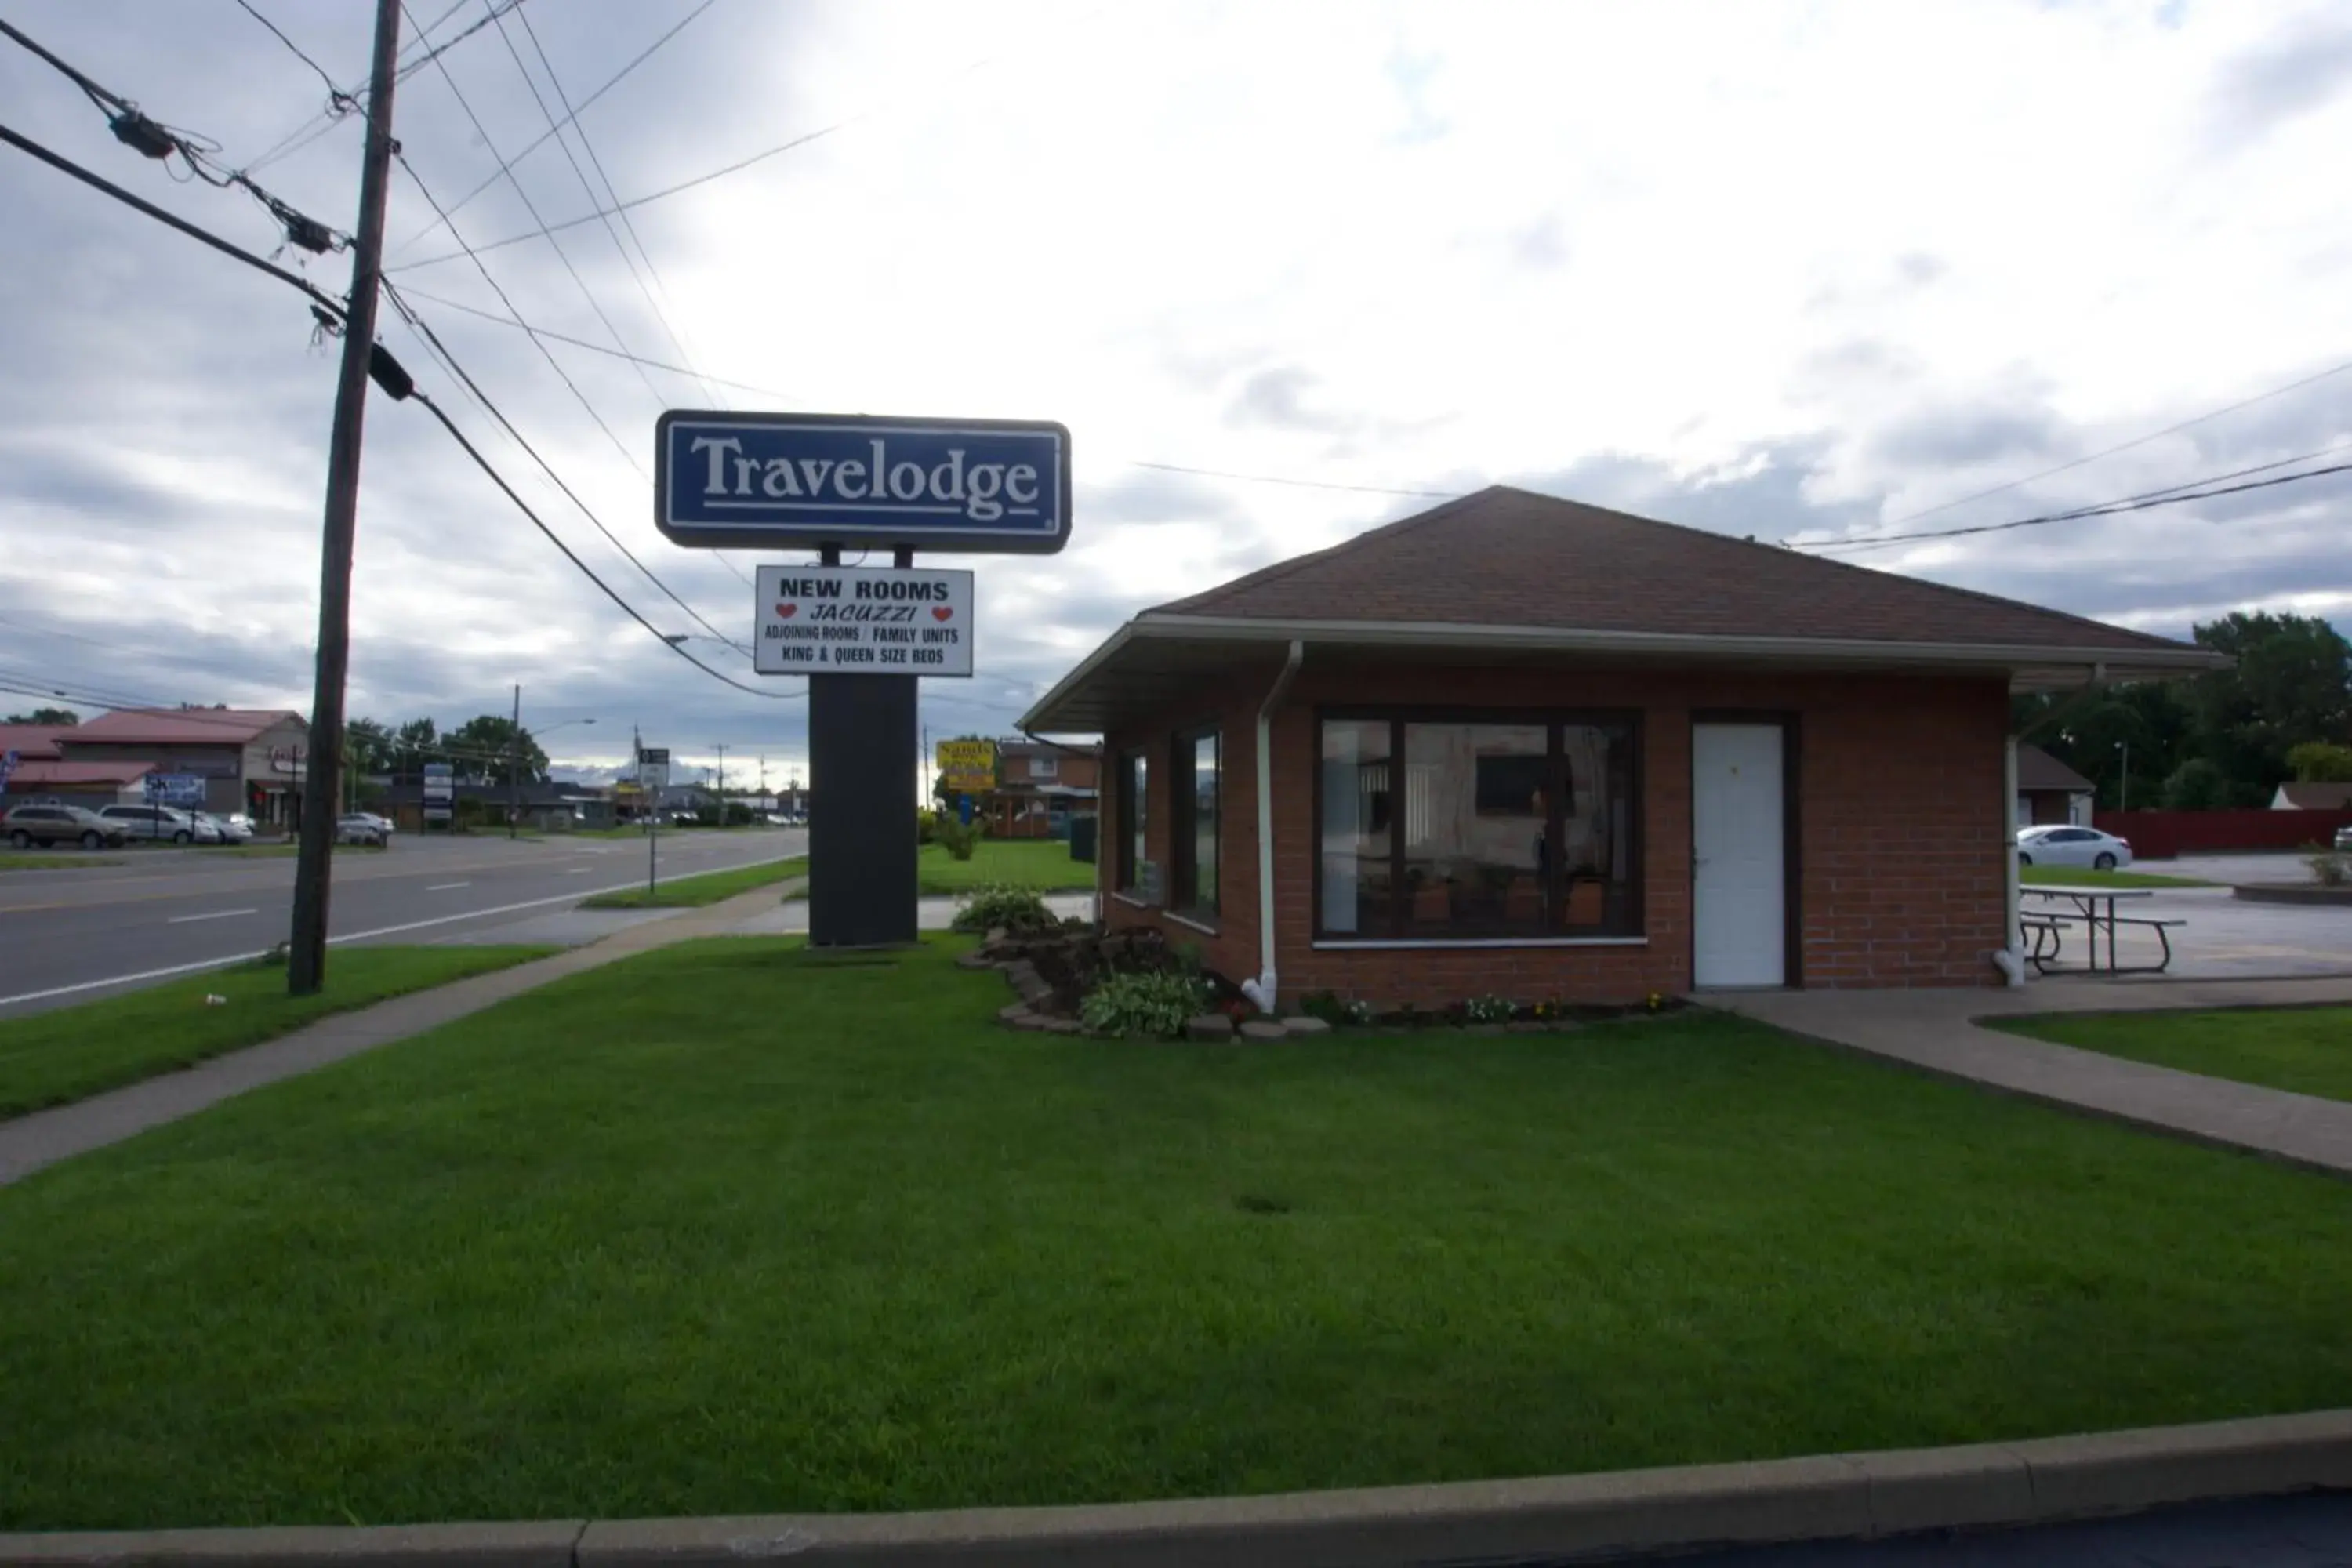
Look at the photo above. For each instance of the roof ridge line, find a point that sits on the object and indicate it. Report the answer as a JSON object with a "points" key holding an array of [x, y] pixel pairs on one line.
{"points": [[1281, 569]]}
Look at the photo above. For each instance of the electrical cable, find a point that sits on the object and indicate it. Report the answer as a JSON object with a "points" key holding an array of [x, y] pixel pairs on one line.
{"points": [[610, 82], [449, 362], [618, 445], [325, 306], [334, 94], [496, 478], [433, 56], [532, 207], [447, 303], [2143, 503], [588, 186]]}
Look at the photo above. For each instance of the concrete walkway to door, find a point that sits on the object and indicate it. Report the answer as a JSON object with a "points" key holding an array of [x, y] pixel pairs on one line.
{"points": [[1937, 1031]]}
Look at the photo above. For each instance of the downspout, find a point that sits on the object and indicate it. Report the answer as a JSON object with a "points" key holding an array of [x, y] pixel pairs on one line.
{"points": [[1261, 991], [2010, 959]]}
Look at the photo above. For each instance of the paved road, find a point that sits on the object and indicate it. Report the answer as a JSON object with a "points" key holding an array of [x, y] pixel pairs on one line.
{"points": [[68, 935], [2313, 1531]]}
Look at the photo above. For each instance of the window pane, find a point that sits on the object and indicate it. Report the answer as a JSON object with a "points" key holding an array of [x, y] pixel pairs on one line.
{"points": [[1138, 776], [1475, 817], [1357, 826], [1206, 782], [1597, 828]]}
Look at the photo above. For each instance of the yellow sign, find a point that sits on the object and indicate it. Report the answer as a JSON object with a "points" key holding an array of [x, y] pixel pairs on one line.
{"points": [[967, 767]]}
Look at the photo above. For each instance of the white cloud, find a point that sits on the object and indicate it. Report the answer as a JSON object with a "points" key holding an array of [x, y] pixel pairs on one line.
{"points": [[1770, 265]]}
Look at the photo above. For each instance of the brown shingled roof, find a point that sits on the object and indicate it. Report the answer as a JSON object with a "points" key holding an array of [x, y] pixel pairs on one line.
{"points": [[180, 726], [1506, 557]]}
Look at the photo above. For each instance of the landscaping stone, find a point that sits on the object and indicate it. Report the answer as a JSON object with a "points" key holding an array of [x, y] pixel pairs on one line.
{"points": [[976, 959], [1302, 1024], [1210, 1027], [1259, 1029], [1017, 1014], [1065, 1026]]}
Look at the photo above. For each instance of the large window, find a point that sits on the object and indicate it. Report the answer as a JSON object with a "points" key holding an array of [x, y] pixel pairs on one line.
{"points": [[1134, 775], [1472, 829], [1193, 785]]}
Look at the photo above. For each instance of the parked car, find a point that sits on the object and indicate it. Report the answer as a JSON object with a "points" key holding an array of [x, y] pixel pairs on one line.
{"points": [[2343, 838], [160, 822], [363, 828], [28, 825], [230, 830], [2057, 846]]}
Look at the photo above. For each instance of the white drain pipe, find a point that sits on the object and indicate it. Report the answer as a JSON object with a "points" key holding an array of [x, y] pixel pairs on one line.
{"points": [[1261, 991], [2010, 959]]}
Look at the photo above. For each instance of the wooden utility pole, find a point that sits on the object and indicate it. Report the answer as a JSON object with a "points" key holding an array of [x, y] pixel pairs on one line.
{"points": [[306, 960]]}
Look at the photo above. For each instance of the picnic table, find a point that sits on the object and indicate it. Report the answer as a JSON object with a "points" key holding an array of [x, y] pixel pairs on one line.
{"points": [[2095, 909]]}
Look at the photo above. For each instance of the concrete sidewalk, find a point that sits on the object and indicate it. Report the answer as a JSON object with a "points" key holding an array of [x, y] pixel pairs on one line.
{"points": [[29, 1142], [1937, 1032]]}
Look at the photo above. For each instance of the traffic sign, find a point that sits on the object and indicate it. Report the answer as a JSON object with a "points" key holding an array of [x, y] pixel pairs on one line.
{"points": [[738, 481]]}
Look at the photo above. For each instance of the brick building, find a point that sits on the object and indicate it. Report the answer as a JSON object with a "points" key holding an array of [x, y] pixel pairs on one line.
{"points": [[1040, 787], [1524, 746]]}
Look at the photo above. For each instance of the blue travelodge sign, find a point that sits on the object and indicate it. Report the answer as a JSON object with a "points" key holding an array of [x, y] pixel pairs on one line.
{"points": [[977, 485]]}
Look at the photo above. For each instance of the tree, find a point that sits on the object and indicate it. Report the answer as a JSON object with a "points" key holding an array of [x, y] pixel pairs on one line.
{"points": [[2093, 733], [64, 716], [2197, 784], [2320, 761], [414, 744], [369, 747], [2292, 682], [482, 744]]}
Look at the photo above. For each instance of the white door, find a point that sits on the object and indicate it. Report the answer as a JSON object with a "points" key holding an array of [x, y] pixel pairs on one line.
{"points": [[1738, 893]]}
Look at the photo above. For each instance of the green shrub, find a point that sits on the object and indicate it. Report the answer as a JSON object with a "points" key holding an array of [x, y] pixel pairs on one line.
{"points": [[1326, 1006], [1488, 1010], [1017, 910], [2332, 870], [927, 824], [958, 838], [1144, 1006]]}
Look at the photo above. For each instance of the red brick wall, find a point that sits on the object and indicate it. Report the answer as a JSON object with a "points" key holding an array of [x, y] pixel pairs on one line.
{"points": [[1900, 829]]}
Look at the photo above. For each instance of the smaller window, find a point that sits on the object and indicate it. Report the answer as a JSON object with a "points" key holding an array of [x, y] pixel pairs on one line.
{"points": [[1043, 767], [1195, 786], [1134, 775]]}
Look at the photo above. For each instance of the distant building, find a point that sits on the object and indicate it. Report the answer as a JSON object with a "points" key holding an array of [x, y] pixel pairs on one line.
{"points": [[1040, 787], [2313, 798], [210, 758], [2048, 791]]}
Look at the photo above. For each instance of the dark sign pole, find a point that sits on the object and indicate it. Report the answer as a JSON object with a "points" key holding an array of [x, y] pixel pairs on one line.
{"points": [[862, 803]]}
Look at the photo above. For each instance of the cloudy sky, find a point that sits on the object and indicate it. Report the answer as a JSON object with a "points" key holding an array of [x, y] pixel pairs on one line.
{"points": [[1805, 271]]}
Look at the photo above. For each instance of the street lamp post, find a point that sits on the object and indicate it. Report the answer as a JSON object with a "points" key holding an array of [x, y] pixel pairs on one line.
{"points": [[514, 761], [2122, 784]]}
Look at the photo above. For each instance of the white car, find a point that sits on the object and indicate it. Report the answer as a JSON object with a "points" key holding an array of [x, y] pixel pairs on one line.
{"points": [[2059, 846], [363, 828]]}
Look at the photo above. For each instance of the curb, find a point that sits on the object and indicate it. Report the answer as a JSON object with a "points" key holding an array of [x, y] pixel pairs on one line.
{"points": [[1684, 1508]]}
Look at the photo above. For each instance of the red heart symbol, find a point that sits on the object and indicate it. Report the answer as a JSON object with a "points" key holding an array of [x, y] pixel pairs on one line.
{"points": [[788, 611], [941, 613]]}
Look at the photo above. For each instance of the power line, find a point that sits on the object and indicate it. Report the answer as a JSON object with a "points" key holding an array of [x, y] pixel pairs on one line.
{"points": [[571, 117], [448, 361], [618, 445], [532, 207], [496, 478], [339, 103], [2173, 496], [610, 82], [551, 230], [328, 308], [334, 93], [2124, 445], [416, 293], [433, 56]]}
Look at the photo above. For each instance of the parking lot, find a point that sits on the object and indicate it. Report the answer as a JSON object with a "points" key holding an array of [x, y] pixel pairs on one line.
{"points": [[2223, 937]]}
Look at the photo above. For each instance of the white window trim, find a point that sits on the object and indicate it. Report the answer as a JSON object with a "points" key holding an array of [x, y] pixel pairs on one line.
{"points": [[1378, 945], [1189, 923]]}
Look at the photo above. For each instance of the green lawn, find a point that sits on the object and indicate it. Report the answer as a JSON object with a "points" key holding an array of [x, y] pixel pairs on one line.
{"points": [[732, 1229], [2090, 877], [692, 892], [2306, 1050], [50, 859], [1044, 864], [71, 1053]]}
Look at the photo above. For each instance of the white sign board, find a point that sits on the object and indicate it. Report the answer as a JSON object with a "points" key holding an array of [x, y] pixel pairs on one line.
{"points": [[652, 768], [853, 620]]}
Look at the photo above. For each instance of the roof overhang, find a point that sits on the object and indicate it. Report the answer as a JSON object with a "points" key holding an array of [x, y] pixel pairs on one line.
{"points": [[1157, 657]]}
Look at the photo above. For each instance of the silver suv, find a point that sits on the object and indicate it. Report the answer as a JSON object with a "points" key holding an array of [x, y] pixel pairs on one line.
{"points": [[46, 825], [161, 822]]}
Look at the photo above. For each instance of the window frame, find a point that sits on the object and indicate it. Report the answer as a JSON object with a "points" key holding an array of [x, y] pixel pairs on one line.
{"points": [[1556, 721], [1134, 821], [1182, 874]]}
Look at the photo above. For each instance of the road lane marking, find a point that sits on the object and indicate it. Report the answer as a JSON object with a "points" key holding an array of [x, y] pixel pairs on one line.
{"points": [[578, 870], [445, 887], [205, 964], [214, 915]]}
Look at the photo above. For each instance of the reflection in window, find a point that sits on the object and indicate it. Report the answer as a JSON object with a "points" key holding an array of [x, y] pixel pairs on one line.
{"points": [[1193, 841], [1357, 837], [1475, 852], [1498, 831], [1133, 774]]}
